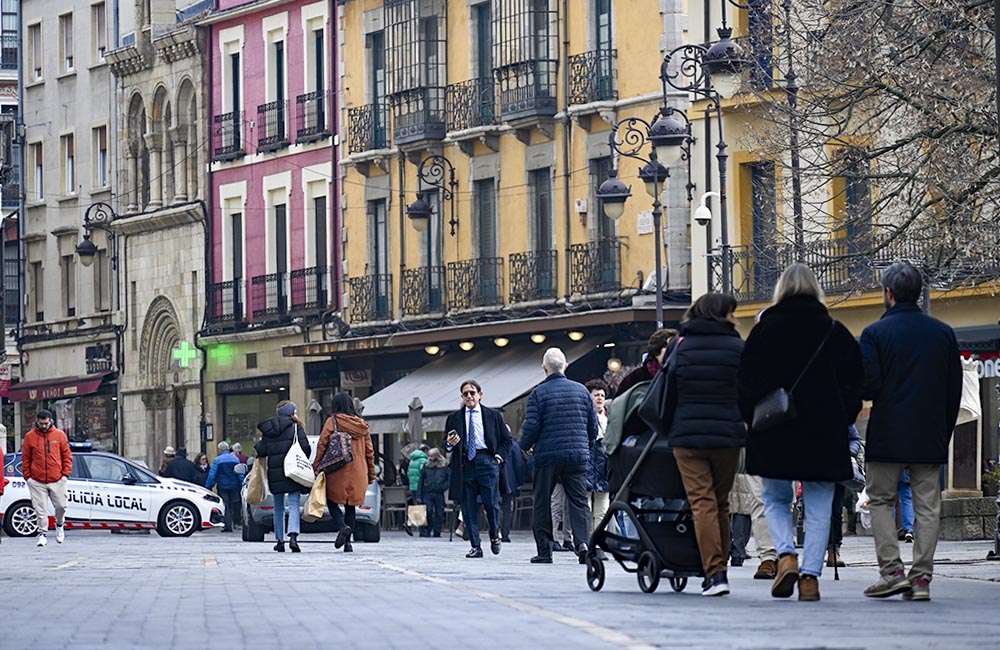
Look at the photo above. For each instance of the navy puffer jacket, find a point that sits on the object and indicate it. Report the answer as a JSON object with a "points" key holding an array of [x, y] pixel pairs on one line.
{"points": [[705, 380], [597, 471], [561, 422]]}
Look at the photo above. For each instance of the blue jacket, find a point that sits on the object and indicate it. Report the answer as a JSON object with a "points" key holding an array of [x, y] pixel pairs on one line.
{"points": [[512, 472], [223, 472], [597, 470], [561, 422]]}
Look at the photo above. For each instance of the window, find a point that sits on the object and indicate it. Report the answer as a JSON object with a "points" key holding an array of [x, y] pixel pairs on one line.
{"points": [[11, 283], [98, 32], [8, 34], [319, 231], [99, 146], [69, 285], [35, 49], [67, 146], [36, 172], [540, 182], [486, 220], [761, 28], [66, 42], [376, 84], [600, 170], [38, 290], [104, 468], [102, 281]]}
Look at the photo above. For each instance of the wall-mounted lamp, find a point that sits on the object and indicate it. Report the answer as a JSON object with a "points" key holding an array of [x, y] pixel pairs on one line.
{"points": [[501, 341], [432, 350], [614, 364], [575, 335], [466, 345], [538, 338]]}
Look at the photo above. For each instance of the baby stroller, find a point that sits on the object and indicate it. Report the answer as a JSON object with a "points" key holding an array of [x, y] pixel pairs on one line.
{"points": [[649, 492]]}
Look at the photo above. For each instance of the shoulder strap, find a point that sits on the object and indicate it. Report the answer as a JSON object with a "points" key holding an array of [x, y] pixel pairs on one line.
{"points": [[813, 358]]}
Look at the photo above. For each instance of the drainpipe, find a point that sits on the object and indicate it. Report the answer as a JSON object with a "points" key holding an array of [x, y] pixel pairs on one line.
{"points": [[402, 227], [22, 303], [566, 133], [334, 112]]}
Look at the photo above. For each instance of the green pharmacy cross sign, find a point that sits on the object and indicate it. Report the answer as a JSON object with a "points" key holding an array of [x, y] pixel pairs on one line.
{"points": [[184, 354]]}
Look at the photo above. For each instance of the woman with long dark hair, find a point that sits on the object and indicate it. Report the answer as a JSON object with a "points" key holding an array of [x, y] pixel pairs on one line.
{"points": [[346, 486]]}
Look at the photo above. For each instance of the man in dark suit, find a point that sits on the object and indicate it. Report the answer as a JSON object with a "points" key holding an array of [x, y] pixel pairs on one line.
{"points": [[479, 440]]}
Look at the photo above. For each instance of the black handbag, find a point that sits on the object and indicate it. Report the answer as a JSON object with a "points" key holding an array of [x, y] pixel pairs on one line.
{"points": [[778, 406], [657, 408], [338, 452]]}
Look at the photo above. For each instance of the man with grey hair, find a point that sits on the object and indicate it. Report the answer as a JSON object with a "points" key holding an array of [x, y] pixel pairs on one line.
{"points": [[560, 427], [224, 473], [913, 376]]}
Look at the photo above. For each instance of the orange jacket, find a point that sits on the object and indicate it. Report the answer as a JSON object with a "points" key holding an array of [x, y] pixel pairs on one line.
{"points": [[46, 457]]}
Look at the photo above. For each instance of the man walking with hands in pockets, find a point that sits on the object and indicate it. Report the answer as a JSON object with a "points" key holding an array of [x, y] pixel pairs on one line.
{"points": [[46, 463], [479, 440]]}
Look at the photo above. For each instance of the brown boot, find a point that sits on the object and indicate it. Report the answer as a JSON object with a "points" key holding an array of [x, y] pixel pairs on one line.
{"points": [[808, 588], [788, 574], [833, 558], [766, 571]]}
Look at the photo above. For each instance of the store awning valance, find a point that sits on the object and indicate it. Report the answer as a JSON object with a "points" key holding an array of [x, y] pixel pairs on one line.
{"points": [[505, 375], [58, 388]]}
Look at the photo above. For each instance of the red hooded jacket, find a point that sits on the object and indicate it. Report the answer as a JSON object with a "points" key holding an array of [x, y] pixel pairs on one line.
{"points": [[46, 457]]}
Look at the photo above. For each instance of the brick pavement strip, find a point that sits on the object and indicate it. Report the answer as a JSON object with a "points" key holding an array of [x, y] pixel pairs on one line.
{"points": [[214, 591]]}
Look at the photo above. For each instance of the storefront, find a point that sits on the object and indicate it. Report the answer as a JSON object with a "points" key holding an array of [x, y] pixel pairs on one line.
{"points": [[85, 406], [246, 403], [983, 345]]}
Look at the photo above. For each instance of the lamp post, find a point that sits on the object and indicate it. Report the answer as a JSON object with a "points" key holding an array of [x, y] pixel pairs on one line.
{"points": [[669, 138], [433, 171], [712, 72]]}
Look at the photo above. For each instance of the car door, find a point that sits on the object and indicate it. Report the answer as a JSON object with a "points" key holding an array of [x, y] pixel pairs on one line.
{"points": [[79, 494], [119, 496]]}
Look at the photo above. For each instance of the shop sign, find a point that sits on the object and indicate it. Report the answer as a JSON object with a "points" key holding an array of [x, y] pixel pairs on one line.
{"points": [[355, 378], [988, 368], [98, 358], [251, 385]]}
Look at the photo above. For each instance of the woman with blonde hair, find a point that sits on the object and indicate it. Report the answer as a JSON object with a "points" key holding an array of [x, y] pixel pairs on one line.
{"points": [[799, 347]]}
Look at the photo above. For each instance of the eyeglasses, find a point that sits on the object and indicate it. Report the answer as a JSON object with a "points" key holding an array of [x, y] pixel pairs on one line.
{"points": [[469, 393]]}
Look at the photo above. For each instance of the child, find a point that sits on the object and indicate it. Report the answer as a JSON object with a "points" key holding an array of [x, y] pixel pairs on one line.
{"points": [[435, 478]]}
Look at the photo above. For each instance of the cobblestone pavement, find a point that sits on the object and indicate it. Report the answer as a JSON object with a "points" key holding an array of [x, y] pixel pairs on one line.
{"points": [[213, 591]]}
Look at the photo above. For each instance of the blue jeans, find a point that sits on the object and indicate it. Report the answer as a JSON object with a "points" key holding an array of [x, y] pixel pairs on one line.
{"points": [[481, 479], [294, 499], [906, 500], [818, 499]]}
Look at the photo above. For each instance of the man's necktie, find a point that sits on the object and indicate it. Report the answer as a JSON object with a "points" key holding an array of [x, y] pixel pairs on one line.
{"points": [[470, 439]]}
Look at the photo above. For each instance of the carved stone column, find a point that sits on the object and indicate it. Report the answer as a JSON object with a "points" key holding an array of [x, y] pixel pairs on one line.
{"points": [[154, 144], [179, 137], [193, 168], [131, 189]]}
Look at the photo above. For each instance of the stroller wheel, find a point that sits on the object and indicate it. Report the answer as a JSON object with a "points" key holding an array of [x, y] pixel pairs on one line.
{"points": [[649, 572], [595, 572], [678, 584]]}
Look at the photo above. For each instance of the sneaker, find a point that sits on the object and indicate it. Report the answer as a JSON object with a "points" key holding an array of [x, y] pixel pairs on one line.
{"points": [[908, 537], [348, 547], [60, 534], [279, 547], [541, 559], [41, 540], [767, 570], [477, 551], [808, 588], [787, 575], [889, 586], [715, 585], [495, 546], [920, 589], [556, 546]]}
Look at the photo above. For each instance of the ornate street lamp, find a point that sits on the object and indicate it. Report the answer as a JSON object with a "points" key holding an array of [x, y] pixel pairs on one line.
{"points": [[432, 171], [98, 216]]}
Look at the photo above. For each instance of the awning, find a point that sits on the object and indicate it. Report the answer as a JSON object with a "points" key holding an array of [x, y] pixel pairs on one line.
{"points": [[505, 375], [59, 388]]}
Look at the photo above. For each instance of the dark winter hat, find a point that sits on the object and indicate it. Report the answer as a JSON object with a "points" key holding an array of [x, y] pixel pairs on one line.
{"points": [[182, 452], [288, 409]]}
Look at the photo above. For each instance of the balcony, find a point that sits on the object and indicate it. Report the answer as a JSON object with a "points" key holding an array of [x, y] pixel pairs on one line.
{"points": [[475, 283], [596, 267], [593, 77], [528, 90], [533, 276], [417, 115], [225, 302], [370, 298], [272, 126], [423, 290], [227, 136], [311, 116], [471, 104], [269, 296], [310, 289], [367, 126]]}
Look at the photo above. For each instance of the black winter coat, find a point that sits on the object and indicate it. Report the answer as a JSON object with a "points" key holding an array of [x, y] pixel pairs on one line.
{"points": [[183, 469], [814, 446], [704, 377], [434, 479], [914, 378], [278, 434]]}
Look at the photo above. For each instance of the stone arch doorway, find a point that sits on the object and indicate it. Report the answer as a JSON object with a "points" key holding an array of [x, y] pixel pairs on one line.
{"points": [[163, 396]]}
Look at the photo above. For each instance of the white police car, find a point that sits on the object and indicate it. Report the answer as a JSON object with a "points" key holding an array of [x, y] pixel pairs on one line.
{"points": [[107, 491]]}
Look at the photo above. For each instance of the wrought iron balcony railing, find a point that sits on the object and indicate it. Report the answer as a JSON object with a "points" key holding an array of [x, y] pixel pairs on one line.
{"points": [[533, 276], [311, 116], [269, 295], [310, 288], [471, 103], [370, 298], [225, 302], [475, 283], [368, 127], [596, 267], [227, 136], [593, 76], [418, 115], [423, 290], [528, 89], [272, 126]]}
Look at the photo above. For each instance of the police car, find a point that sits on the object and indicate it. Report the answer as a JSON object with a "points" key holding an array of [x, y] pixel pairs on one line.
{"points": [[106, 491]]}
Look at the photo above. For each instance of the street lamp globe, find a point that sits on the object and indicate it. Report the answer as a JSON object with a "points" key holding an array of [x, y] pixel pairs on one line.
{"points": [[654, 176], [612, 194], [724, 63], [86, 250], [419, 213], [668, 135]]}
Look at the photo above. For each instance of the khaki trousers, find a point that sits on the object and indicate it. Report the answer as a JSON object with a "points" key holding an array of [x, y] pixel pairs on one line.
{"points": [[881, 480], [708, 476], [40, 494], [599, 502], [761, 533]]}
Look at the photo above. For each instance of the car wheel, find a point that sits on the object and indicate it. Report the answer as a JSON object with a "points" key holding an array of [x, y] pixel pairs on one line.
{"points": [[367, 532], [177, 519], [20, 520], [252, 531]]}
